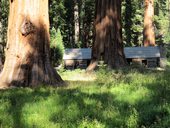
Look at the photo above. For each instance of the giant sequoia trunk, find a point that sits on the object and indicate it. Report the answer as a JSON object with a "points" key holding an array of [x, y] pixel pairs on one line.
{"points": [[108, 43], [27, 52], [149, 36]]}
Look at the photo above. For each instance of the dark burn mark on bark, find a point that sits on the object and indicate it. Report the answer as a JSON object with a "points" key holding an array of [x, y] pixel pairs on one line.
{"points": [[27, 27]]}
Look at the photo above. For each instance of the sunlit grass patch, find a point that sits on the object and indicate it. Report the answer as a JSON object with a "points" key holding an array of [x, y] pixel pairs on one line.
{"points": [[40, 111], [87, 123], [131, 95], [77, 75]]}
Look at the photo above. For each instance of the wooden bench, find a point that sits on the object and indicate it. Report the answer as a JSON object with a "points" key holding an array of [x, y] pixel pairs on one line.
{"points": [[149, 56], [80, 57], [77, 57]]}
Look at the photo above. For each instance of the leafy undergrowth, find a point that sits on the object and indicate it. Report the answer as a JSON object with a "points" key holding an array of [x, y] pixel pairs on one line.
{"points": [[125, 98]]}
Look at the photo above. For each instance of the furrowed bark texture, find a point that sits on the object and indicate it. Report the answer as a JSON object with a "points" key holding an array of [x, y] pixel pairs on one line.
{"points": [[149, 35], [27, 52], [108, 43]]}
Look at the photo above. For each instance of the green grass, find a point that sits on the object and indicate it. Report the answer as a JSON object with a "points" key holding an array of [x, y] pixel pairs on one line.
{"points": [[125, 98]]}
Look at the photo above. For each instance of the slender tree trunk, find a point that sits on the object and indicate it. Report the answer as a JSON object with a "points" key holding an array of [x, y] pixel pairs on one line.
{"points": [[81, 19], [169, 15], [0, 25], [1, 35], [76, 22], [1, 31], [108, 44], [128, 22], [27, 52], [1, 45], [149, 36]]}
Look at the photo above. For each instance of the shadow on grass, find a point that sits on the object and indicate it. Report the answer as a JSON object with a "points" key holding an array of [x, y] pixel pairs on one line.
{"points": [[109, 112], [154, 111], [17, 98], [91, 107]]}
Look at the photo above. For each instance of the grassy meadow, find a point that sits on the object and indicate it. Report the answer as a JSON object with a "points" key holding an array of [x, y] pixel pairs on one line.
{"points": [[124, 98]]}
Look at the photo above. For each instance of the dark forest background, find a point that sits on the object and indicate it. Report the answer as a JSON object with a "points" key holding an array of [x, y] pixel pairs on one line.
{"points": [[62, 23]]}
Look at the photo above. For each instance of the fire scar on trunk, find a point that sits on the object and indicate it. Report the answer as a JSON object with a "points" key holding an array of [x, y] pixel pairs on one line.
{"points": [[27, 27]]}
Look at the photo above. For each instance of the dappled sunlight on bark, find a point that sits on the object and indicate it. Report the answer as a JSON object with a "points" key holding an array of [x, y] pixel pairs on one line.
{"points": [[108, 44]]}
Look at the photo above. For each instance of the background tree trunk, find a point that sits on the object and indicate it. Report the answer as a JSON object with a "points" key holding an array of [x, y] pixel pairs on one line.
{"points": [[76, 23], [1, 43], [108, 44], [27, 52], [149, 36]]}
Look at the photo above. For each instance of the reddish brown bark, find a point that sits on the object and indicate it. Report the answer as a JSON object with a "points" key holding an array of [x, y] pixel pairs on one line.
{"points": [[108, 42], [149, 36], [27, 52]]}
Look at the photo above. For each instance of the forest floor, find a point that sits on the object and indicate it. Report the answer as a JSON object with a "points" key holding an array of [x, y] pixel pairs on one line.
{"points": [[123, 98]]}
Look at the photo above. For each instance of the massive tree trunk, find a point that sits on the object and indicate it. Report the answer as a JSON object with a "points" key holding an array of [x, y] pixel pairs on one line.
{"points": [[149, 36], [27, 52], [108, 43]]}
